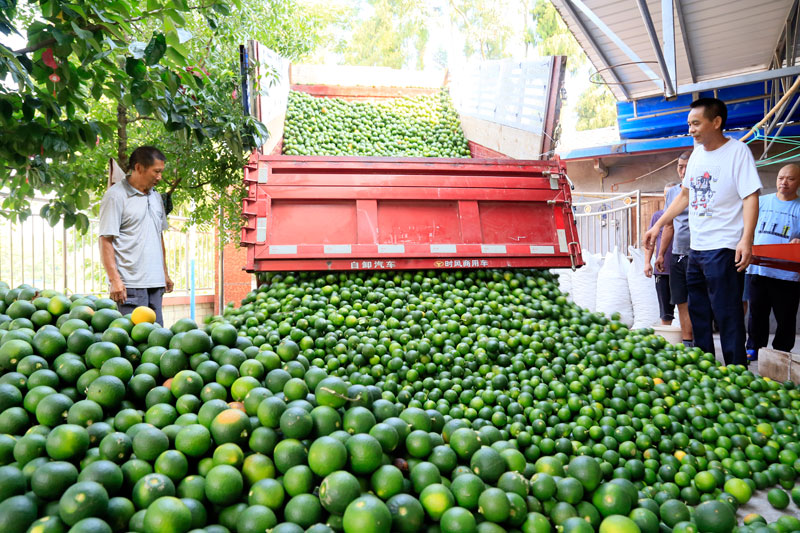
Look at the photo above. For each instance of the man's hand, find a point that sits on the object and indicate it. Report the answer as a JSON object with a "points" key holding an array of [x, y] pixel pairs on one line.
{"points": [[795, 241], [168, 283], [650, 237], [648, 270], [660, 263], [118, 292], [744, 254]]}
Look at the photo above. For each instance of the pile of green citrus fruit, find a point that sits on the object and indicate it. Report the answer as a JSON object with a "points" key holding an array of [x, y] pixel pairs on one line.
{"points": [[420, 126], [452, 402]]}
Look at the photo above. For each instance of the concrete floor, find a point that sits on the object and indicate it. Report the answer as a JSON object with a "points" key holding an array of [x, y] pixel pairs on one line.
{"points": [[759, 504]]}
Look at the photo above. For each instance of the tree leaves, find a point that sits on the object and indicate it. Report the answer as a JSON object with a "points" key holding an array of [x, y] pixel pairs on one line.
{"points": [[222, 9], [552, 37], [135, 68], [596, 108], [156, 49], [7, 10], [157, 63], [83, 34], [144, 107], [53, 143]]}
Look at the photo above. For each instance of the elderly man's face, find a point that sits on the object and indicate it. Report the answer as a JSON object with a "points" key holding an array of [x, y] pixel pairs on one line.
{"points": [[152, 174], [788, 181]]}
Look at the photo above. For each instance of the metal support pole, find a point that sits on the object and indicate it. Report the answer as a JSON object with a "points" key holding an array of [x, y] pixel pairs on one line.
{"points": [[668, 34], [221, 266], [686, 45], [597, 49], [191, 290], [638, 213], [64, 254], [669, 89]]}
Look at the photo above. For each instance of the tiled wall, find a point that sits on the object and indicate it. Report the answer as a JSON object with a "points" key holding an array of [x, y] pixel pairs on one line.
{"points": [[172, 313], [236, 282]]}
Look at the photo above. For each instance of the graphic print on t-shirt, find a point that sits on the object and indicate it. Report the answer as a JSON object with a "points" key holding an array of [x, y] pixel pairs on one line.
{"points": [[702, 198], [777, 219], [774, 230]]}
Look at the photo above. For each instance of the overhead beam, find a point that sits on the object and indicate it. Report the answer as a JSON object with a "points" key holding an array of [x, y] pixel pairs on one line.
{"points": [[633, 56], [597, 49], [787, 39], [739, 80], [668, 34], [687, 48], [669, 89]]}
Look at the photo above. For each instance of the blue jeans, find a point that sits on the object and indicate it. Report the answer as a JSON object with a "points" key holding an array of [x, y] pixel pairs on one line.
{"points": [[715, 291]]}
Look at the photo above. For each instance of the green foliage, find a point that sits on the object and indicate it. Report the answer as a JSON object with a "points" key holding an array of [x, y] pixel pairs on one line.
{"points": [[78, 53], [484, 26], [206, 177], [96, 77], [391, 36], [422, 126], [551, 37], [596, 108]]}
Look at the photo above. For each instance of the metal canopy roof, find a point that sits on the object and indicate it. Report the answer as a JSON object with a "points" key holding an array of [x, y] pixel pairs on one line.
{"points": [[644, 48]]}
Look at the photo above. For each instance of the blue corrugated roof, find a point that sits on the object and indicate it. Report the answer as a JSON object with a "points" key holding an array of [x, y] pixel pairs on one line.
{"points": [[640, 146]]}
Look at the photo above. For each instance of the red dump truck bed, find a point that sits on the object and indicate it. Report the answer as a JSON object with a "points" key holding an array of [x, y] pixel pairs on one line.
{"points": [[350, 213]]}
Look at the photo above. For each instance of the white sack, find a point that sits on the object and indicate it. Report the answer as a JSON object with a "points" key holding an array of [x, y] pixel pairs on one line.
{"points": [[584, 281], [564, 281], [643, 293], [612, 287]]}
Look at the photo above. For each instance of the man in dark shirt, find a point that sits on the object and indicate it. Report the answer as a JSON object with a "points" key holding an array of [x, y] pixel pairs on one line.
{"points": [[665, 305]]}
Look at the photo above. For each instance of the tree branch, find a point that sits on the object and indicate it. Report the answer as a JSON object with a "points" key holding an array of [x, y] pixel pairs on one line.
{"points": [[173, 185], [50, 40], [122, 136], [94, 27], [201, 184], [461, 13]]}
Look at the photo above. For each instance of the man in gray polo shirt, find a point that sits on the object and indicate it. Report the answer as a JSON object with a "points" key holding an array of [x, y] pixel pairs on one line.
{"points": [[677, 233], [132, 220]]}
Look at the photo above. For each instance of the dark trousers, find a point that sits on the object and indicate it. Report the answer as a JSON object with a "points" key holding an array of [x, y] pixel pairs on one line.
{"points": [[779, 296], [665, 306], [715, 291], [147, 297]]}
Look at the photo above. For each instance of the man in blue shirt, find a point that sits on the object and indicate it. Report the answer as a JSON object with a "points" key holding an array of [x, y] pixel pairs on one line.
{"points": [[772, 289]]}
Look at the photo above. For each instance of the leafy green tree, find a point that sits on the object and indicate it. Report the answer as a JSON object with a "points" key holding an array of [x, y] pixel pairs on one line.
{"points": [[96, 77], [205, 178], [484, 26], [333, 28], [551, 37], [391, 36], [596, 108]]}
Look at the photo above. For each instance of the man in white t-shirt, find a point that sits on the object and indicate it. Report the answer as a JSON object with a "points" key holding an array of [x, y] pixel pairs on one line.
{"points": [[720, 189]]}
